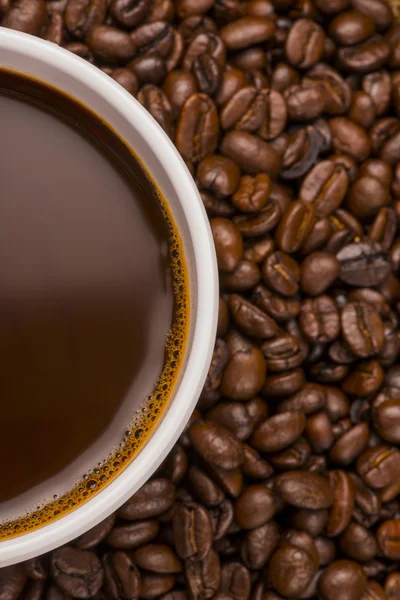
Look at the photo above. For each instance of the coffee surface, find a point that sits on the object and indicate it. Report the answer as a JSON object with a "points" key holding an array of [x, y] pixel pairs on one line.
{"points": [[86, 297]]}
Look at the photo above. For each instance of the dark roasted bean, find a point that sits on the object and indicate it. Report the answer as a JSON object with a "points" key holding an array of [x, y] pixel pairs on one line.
{"points": [[251, 320], [281, 273], [122, 578], [304, 490], [27, 16], [305, 43], [362, 329], [278, 431], [251, 152], [318, 271], [259, 544], [78, 573], [254, 507], [246, 32], [343, 577], [379, 466], [153, 499], [343, 502], [253, 193], [131, 535], [358, 543], [197, 128], [293, 561]]}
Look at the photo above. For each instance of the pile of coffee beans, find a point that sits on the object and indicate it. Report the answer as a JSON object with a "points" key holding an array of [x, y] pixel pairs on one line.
{"points": [[286, 482]]}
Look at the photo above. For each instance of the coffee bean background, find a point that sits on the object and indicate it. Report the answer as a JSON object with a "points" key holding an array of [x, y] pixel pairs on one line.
{"points": [[286, 482]]}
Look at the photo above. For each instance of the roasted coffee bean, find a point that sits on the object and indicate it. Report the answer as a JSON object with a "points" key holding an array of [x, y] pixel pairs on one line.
{"points": [[295, 226], [216, 445], [259, 544], [244, 375], [12, 581], [221, 518], [122, 578], [305, 43], [386, 420], [219, 175], [392, 586], [290, 570], [367, 56], [283, 384], [203, 577], [154, 585], [127, 79], [251, 152], [343, 577], [157, 558], [154, 498], [310, 398], [318, 271], [365, 379], [304, 101], [358, 543], [304, 490], [341, 511], [110, 44], [251, 320], [254, 507], [27, 16], [284, 352], [363, 264], [292, 457], [379, 466], [253, 193], [80, 15], [228, 244], [234, 416], [197, 128], [378, 86], [325, 186], [204, 488], [377, 10], [388, 536], [131, 535], [350, 445], [319, 319], [278, 307], [281, 273], [155, 101], [350, 138], [178, 87], [311, 521], [78, 573], [260, 224], [94, 536], [235, 581], [253, 465], [319, 432], [246, 32], [366, 196], [362, 329], [278, 431], [362, 109], [351, 27], [302, 149], [243, 278]]}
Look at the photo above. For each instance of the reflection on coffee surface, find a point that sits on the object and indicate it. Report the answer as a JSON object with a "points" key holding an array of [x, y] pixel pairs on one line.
{"points": [[93, 304]]}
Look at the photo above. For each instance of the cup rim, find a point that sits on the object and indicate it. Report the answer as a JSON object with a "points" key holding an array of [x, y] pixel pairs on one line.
{"points": [[204, 318]]}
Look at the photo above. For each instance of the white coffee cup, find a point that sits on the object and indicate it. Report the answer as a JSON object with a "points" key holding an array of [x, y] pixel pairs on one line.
{"points": [[57, 67]]}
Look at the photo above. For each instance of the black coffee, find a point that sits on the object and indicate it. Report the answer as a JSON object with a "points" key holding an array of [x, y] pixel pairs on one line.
{"points": [[88, 257]]}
